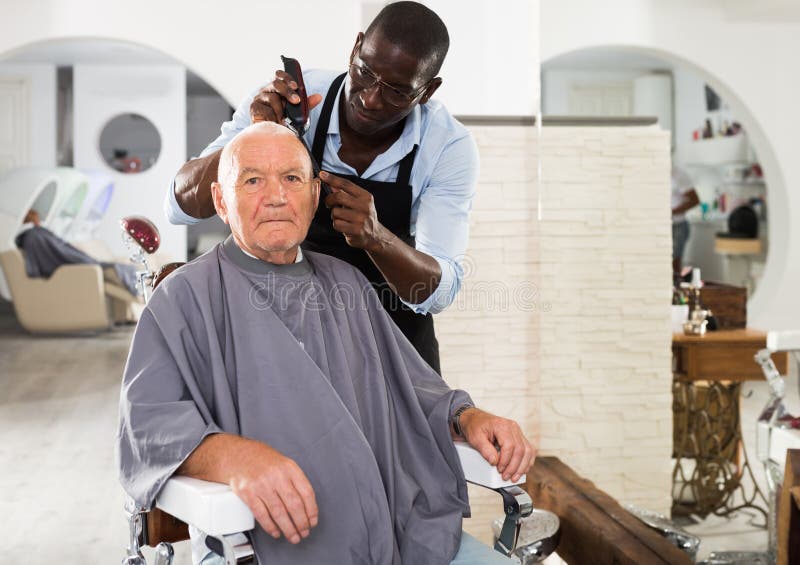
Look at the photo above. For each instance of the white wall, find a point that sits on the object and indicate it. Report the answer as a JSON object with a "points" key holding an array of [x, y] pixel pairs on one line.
{"points": [[605, 361], [493, 64], [650, 92], [42, 109], [557, 83], [157, 93], [690, 100], [543, 329], [750, 65], [236, 46], [204, 115], [652, 96]]}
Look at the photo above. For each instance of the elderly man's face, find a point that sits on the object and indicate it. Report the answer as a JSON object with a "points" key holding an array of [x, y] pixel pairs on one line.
{"points": [[268, 197]]}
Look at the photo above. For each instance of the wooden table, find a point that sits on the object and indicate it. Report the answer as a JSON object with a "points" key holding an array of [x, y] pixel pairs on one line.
{"points": [[708, 373], [724, 355]]}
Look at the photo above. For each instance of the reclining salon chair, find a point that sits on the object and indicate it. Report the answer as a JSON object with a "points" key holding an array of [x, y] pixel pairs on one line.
{"points": [[76, 298], [525, 533]]}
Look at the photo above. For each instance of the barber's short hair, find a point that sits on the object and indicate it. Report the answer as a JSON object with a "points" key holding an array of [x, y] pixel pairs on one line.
{"points": [[417, 30]]}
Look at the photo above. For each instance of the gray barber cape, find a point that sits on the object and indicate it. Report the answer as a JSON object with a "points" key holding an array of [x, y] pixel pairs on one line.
{"points": [[303, 358]]}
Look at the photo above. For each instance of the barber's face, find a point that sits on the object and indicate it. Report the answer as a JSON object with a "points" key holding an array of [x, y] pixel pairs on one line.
{"points": [[270, 196], [366, 107]]}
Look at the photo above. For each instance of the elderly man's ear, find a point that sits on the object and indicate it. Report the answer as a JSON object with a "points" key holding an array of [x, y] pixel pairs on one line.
{"points": [[317, 185], [219, 201]]}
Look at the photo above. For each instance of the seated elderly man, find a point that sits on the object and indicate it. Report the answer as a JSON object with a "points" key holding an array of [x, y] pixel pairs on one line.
{"points": [[44, 252], [277, 372]]}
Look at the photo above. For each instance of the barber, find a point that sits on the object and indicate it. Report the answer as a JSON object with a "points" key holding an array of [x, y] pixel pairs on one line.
{"points": [[401, 169]]}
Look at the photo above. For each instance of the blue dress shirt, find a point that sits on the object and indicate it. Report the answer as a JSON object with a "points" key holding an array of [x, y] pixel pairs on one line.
{"points": [[443, 178]]}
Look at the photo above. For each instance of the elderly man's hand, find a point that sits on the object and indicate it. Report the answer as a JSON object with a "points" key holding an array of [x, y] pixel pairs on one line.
{"points": [[483, 431], [268, 104], [277, 492], [353, 213]]}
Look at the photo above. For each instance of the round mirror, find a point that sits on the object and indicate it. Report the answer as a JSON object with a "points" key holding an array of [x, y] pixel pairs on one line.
{"points": [[130, 143]]}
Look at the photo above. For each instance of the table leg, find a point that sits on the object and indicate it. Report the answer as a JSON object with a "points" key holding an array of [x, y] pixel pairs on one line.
{"points": [[710, 459]]}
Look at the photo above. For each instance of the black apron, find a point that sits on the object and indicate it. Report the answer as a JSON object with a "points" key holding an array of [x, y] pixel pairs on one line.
{"points": [[393, 206]]}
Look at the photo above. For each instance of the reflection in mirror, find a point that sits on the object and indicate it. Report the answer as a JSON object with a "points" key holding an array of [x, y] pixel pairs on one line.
{"points": [[72, 189], [130, 143], [98, 138], [44, 201], [715, 164], [100, 190]]}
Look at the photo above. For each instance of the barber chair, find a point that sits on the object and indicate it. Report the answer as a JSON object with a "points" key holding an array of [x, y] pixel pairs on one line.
{"points": [[23, 189], [776, 433], [222, 519], [74, 299], [217, 513]]}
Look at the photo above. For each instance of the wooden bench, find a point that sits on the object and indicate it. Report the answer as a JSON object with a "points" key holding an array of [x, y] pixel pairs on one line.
{"points": [[595, 529]]}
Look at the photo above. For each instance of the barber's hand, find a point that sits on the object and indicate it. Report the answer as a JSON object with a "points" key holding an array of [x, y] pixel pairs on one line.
{"points": [[277, 492], [268, 104], [353, 213], [483, 430]]}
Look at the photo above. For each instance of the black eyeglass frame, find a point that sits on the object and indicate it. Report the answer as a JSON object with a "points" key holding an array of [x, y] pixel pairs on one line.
{"points": [[408, 98]]}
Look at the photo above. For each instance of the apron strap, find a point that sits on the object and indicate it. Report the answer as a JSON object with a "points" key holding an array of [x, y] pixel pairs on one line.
{"points": [[321, 133], [404, 171]]}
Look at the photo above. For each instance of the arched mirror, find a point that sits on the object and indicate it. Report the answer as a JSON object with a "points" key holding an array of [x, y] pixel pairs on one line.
{"points": [[712, 157]]}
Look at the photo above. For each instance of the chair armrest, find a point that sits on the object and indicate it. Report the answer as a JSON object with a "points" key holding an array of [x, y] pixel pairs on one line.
{"points": [[479, 471], [216, 511], [210, 507]]}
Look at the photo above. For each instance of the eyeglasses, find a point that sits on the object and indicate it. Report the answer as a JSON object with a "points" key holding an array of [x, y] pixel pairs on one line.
{"points": [[366, 78], [255, 183]]}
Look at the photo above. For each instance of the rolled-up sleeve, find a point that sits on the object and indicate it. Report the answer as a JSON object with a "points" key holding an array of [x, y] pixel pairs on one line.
{"points": [[442, 227], [173, 210]]}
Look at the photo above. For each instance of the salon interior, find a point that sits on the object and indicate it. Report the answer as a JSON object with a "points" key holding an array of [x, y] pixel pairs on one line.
{"points": [[660, 399]]}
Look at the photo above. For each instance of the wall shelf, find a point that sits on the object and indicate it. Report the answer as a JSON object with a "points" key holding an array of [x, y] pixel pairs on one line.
{"points": [[718, 151]]}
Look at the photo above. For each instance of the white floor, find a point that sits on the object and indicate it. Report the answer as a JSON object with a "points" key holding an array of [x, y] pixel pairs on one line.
{"points": [[59, 497], [60, 501]]}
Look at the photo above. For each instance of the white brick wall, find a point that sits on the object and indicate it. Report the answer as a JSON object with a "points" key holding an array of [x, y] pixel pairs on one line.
{"points": [[563, 322]]}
